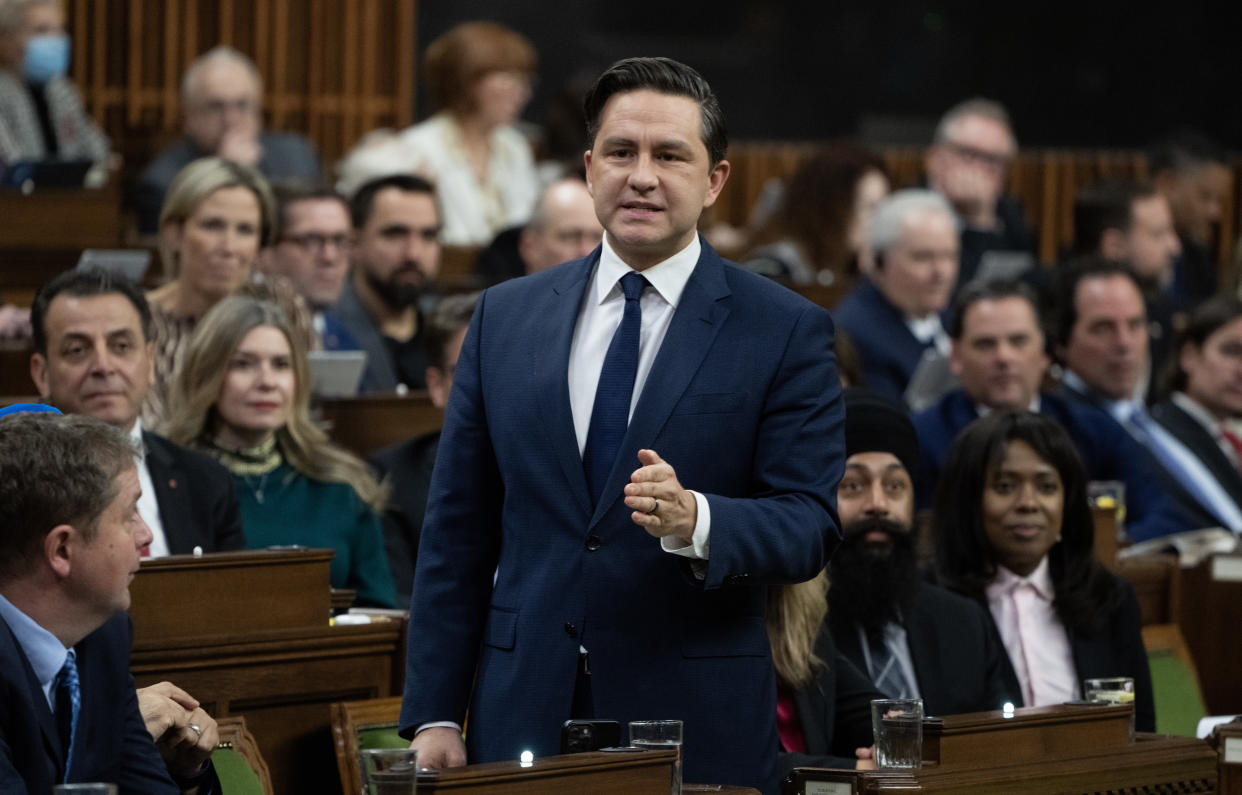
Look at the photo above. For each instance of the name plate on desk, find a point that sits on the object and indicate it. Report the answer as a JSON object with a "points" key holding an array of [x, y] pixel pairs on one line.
{"points": [[228, 593], [1227, 568]]}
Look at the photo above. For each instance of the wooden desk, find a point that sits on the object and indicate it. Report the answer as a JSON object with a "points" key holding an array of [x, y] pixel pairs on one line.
{"points": [[1230, 738], [1210, 615], [367, 423], [247, 633], [1156, 584]]}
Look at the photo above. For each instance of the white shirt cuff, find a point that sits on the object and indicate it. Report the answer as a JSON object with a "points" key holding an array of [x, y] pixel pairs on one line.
{"points": [[448, 724], [699, 545]]}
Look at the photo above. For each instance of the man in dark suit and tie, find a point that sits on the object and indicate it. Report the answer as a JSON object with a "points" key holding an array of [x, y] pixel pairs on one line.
{"points": [[92, 355], [647, 387], [71, 544]]}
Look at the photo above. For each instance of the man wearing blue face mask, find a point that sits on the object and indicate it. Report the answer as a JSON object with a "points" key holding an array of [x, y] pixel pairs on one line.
{"points": [[41, 113]]}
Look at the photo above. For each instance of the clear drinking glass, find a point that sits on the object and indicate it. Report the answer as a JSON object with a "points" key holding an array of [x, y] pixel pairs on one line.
{"points": [[660, 734], [390, 771], [897, 724]]}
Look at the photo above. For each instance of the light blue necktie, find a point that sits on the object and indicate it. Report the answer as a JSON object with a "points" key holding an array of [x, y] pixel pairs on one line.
{"points": [[68, 704], [610, 415]]}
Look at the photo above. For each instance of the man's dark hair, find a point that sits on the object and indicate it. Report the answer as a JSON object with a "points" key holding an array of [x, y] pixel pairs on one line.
{"points": [[451, 314], [1104, 206], [665, 76], [994, 290], [363, 202], [84, 284], [1207, 318], [1074, 274], [1183, 151], [290, 193], [54, 470]]}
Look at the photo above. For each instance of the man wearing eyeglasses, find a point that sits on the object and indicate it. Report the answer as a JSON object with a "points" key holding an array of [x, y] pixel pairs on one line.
{"points": [[967, 163], [313, 242], [222, 115]]}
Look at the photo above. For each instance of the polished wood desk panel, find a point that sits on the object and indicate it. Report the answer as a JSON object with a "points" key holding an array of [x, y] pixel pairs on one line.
{"points": [[978, 739], [1210, 615], [367, 423], [247, 633]]}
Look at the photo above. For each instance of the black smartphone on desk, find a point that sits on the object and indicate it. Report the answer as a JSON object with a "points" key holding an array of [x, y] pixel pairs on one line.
{"points": [[589, 735]]}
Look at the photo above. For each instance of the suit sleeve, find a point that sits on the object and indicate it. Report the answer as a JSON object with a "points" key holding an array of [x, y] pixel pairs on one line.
{"points": [[369, 572], [458, 552], [227, 523], [787, 527]]}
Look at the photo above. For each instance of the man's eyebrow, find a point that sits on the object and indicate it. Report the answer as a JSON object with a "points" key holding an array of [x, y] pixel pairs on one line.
{"points": [[617, 140]]}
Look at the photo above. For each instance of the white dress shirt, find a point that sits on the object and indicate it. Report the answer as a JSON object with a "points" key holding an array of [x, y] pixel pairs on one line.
{"points": [[930, 331], [598, 319], [148, 506], [1034, 636]]}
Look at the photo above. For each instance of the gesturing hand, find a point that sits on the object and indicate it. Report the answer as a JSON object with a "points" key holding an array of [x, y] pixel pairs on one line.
{"points": [[661, 506]]}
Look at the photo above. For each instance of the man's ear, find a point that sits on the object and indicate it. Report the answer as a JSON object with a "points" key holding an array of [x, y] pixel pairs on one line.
{"points": [[38, 374], [1113, 245], [58, 549], [716, 182], [586, 161]]}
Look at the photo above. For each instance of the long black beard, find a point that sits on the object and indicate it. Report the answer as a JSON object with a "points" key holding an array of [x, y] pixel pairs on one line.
{"points": [[872, 584], [397, 295]]}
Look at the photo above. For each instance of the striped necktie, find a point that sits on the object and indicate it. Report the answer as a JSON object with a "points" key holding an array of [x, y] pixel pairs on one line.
{"points": [[68, 704]]}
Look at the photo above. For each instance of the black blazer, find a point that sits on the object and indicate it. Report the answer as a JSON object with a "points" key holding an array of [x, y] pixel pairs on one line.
{"points": [[198, 504], [408, 468], [1191, 433], [959, 660], [834, 711]]}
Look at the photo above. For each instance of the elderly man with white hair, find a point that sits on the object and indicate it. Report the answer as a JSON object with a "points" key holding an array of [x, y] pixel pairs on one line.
{"points": [[222, 115], [894, 315]]}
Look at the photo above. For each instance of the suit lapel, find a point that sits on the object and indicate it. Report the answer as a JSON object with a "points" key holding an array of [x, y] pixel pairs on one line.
{"points": [[551, 383], [15, 657], [1186, 429], [169, 490], [699, 317]]}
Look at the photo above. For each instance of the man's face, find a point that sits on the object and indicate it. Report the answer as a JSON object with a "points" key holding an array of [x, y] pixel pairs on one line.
{"points": [[398, 249], [313, 250], [875, 485], [918, 271], [970, 164], [42, 19], [1151, 241], [1214, 372], [1107, 346], [1000, 355], [650, 175], [440, 381], [223, 100], [97, 362], [571, 229], [102, 568], [1197, 199]]}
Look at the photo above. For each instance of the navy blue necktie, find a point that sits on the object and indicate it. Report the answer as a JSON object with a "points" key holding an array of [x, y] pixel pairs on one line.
{"points": [[611, 413], [68, 703]]}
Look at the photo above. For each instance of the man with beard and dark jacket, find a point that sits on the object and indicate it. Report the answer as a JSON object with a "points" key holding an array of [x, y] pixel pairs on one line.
{"points": [[912, 638], [396, 256]]}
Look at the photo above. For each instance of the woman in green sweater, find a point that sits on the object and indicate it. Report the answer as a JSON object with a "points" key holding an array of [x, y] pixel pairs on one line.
{"points": [[242, 395]]}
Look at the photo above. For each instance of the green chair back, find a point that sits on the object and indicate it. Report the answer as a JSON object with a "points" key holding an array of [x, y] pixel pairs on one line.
{"points": [[236, 775], [382, 735], [1179, 704]]}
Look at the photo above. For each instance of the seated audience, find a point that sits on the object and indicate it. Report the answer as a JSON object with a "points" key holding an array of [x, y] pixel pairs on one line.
{"points": [[998, 353], [1193, 174], [562, 227], [41, 112], [215, 218], [817, 234], [73, 537], [310, 247], [93, 355], [910, 638], [1101, 340], [1131, 223], [222, 102], [823, 702], [1204, 389], [1013, 532], [396, 257], [242, 396], [967, 163], [893, 316], [479, 78], [408, 464]]}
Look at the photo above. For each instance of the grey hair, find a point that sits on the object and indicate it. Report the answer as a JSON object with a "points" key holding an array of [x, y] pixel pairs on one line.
{"points": [[975, 106], [220, 54], [12, 12], [889, 218]]}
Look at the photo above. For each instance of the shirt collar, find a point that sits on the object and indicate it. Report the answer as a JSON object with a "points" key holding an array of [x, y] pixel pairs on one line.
{"points": [[669, 277], [1120, 410], [1006, 581], [135, 437], [43, 650], [1196, 410]]}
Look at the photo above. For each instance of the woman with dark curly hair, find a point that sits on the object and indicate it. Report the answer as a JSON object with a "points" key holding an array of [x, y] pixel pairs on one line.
{"points": [[1013, 531]]}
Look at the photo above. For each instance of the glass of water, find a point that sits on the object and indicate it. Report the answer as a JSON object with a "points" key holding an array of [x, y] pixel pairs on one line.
{"points": [[660, 734], [390, 771], [897, 724]]}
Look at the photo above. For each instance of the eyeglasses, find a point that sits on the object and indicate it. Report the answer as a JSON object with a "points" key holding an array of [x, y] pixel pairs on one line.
{"points": [[314, 243], [992, 160]]}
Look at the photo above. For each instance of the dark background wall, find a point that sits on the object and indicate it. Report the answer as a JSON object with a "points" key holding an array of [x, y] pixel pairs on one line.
{"points": [[1087, 73]]}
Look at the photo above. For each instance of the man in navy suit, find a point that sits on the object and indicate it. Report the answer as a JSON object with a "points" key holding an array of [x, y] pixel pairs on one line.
{"points": [[71, 545], [538, 596]]}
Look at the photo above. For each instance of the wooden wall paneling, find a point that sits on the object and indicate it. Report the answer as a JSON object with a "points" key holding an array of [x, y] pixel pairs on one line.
{"points": [[406, 61]]}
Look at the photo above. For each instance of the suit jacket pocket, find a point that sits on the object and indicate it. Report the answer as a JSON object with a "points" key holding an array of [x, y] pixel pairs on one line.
{"points": [[739, 637], [501, 632], [711, 403]]}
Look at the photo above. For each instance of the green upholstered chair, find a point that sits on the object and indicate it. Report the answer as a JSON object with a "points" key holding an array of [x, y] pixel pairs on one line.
{"points": [[357, 725], [1174, 679], [237, 760]]}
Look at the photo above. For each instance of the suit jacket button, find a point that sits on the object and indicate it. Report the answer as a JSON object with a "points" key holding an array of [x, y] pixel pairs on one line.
{"points": [[594, 542], [571, 630]]}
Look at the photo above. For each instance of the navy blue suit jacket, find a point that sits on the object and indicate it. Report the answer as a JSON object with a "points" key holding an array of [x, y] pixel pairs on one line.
{"points": [[744, 401], [1108, 453], [112, 743], [890, 353]]}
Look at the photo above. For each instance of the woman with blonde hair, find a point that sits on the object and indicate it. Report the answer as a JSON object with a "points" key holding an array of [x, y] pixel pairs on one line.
{"points": [[823, 702], [242, 396]]}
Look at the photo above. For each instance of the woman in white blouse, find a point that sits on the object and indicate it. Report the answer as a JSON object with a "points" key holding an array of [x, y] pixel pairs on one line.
{"points": [[1013, 531], [479, 77]]}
